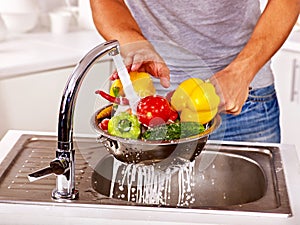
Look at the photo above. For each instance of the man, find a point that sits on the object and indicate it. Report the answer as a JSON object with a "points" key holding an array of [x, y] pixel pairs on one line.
{"points": [[228, 42]]}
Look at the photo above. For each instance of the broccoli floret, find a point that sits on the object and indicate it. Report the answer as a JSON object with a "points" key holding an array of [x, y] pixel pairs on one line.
{"points": [[173, 131]]}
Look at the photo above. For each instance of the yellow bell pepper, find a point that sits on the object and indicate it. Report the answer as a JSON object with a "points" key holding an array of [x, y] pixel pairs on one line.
{"points": [[196, 100], [202, 117], [141, 81], [183, 91]]}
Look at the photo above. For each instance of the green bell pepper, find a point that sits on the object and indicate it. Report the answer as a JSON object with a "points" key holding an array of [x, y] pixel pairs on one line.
{"points": [[124, 125]]}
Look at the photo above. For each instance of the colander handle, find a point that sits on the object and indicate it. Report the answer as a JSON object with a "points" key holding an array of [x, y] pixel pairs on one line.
{"points": [[112, 146], [102, 139]]}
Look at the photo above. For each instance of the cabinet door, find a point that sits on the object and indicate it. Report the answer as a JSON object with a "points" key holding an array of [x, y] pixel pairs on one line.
{"points": [[286, 65], [30, 102]]}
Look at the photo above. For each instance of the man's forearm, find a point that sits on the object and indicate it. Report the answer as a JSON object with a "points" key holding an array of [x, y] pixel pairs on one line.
{"points": [[269, 34], [113, 20]]}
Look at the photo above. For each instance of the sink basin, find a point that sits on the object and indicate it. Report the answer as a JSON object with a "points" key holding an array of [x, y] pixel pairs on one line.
{"points": [[225, 178]]}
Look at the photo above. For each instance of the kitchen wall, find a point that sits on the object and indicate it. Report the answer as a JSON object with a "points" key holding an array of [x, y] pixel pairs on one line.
{"points": [[36, 64], [80, 8]]}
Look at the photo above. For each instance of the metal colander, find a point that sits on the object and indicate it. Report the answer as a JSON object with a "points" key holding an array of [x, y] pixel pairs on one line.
{"points": [[149, 152]]}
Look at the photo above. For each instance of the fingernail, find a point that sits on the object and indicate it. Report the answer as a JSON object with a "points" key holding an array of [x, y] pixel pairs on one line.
{"points": [[134, 67], [165, 82]]}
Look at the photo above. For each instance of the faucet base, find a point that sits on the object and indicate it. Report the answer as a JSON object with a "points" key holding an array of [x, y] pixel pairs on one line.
{"points": [[56, 195]]}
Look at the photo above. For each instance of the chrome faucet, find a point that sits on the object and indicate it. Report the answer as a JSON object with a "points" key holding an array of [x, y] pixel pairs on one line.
{"points": [[64, 163]]}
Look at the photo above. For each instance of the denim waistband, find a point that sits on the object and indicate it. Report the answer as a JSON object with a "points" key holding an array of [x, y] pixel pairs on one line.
{"points": [[262, 94]]}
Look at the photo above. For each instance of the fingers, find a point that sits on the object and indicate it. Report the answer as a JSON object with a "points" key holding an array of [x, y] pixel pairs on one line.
{"points": [[142, 57], [147, 60], [233, 109], [162, 72], [231, 104], [114, 76], [233, 92], [137, 63], [132, 61], [164, 76]]}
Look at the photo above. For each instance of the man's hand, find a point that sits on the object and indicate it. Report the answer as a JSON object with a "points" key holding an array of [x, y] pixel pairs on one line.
{"points": [[141, 56], [232, 88], [270, 32]]}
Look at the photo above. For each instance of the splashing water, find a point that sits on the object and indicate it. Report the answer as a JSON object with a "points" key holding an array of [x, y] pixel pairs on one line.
{"points": [[147, 185], [126, 82]]}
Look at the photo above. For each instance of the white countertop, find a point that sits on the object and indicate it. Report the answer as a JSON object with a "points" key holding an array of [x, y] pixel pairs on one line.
{"points": [[52, 214], [41, 50]]}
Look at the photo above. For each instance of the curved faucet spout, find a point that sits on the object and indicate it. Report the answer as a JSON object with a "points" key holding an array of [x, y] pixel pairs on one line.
{"points": [[65, 183], [64, 163], [65, 121]]}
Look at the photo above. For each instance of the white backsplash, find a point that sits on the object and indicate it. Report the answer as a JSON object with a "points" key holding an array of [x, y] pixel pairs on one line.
{"points": [[80, 9]]}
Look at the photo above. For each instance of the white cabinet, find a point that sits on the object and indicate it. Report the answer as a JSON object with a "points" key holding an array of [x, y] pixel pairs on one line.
{"points": [[286, 66], [31, 102]]}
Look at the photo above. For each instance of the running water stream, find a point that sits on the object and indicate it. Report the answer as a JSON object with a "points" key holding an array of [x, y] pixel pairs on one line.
{"points": [[126, 82]]}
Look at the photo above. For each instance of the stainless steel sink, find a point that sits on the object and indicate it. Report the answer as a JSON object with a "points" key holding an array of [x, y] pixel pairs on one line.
{"points": [[228, 180], [224, 178]]}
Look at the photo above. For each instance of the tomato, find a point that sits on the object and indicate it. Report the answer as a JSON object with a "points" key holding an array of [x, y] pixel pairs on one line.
{"points": [[154, 110], [104, 124], [173, 115]]}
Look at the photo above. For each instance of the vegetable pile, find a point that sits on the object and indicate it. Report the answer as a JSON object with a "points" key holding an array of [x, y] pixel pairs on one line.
{"points": [[181, 114]]}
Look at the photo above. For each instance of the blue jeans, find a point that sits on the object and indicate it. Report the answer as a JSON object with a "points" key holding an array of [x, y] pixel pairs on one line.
{"points": [[258, 121]]}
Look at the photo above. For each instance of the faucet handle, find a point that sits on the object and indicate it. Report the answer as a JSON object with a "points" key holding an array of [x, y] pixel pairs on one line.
{"points": [[58, 166]]}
